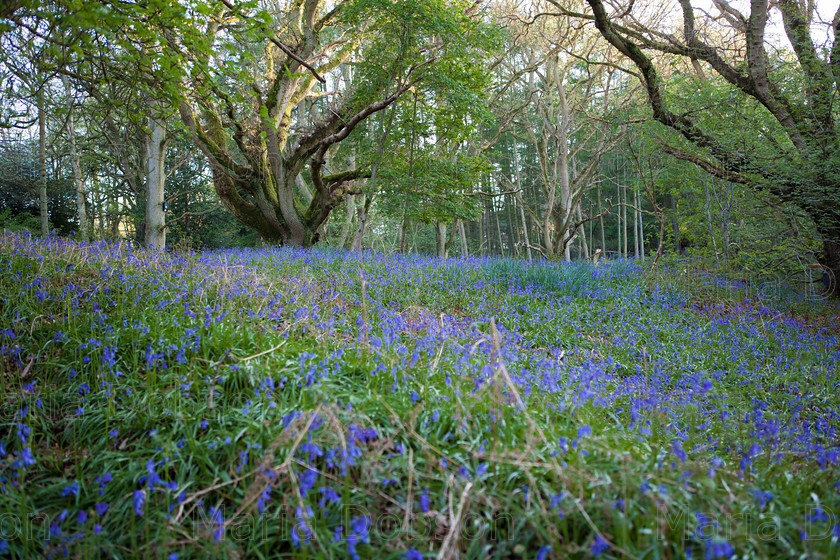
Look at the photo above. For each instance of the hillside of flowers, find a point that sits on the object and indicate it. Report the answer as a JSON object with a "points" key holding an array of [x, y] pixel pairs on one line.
{"points": [[291, 403]]}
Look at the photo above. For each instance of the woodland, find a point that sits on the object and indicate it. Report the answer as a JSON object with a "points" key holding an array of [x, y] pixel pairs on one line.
{"points": [[419, 279], [535, 131]]}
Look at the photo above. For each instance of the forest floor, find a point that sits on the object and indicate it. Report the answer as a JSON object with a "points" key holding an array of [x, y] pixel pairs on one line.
{"points": [[320, 403]]}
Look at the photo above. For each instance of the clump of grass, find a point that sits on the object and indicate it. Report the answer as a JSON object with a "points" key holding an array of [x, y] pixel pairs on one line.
{"points": [[270, 403]]}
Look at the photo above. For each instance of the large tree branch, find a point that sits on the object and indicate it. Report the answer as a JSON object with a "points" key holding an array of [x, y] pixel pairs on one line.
{"points": [[210, 147], [729, 160], [819, 85]]}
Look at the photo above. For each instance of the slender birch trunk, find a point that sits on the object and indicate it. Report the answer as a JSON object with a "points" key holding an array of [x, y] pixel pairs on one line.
{"points": [[42, 152], [155, 157], [635, 224], [81, 210]]}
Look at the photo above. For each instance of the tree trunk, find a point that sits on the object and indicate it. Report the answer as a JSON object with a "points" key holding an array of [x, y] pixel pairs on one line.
{"points": [[641, 230], [81, 210], [481, 234], [636, 252], [42, 151], [675, 226], [155, 157], [350, 205], [624, 234], [465, 250], [524, 225], [584, 247], [601, 221], [711, 223], [362, 210], [499, 230], [403, 232], [618, 218]]}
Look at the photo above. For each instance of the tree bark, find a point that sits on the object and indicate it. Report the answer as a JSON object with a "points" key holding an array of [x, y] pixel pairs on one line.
{"points": [[362, 210], [601, 221], [81, 209], [42, 154], [350, 210], [155, 177], [635, 224]]}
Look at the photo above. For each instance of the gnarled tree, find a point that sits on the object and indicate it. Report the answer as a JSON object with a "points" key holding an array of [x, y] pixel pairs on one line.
{"points": [[259, 131], [797, 159]]}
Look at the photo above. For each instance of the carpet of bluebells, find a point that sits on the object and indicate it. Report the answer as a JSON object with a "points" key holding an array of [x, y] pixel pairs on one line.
{"points": [[319, 403]]}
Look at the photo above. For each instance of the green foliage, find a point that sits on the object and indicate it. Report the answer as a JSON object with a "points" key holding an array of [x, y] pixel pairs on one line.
{"points": [[202, 380], [19, 198], [430, 189]]}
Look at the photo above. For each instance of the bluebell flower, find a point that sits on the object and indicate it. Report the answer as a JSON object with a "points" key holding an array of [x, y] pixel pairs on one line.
{"points": [[599, 546], [72, 489], [412, 554], [138, 500]]}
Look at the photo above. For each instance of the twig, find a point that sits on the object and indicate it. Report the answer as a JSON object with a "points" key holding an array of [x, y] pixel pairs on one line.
{"points": [[456, 521], [263, 353]]}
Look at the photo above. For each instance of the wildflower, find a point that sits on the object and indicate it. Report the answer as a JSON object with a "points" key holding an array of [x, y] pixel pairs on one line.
{"points": [[677, 449], [413, 554], [761, 497], [217, 516], [424, 500], [359, 527], [265, 495], [138, 500], [599, 546], [72, 489], [718, 549]]}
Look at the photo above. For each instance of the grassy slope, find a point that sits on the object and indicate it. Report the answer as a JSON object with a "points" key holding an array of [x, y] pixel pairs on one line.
{"points": [[325, 404]]}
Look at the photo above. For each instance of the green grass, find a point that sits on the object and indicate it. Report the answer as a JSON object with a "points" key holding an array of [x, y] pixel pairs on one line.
{"points": [[480, 408]]}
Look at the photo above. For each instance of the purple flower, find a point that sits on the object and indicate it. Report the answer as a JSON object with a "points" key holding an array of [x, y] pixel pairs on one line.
{"points": [[27, 457], [101, 508], [329, 495], [424, 500], [718, 549], [217, 516], [72, 489], [138, 500], [265, 495], [677, 448], [413, 554], [599, 546]]}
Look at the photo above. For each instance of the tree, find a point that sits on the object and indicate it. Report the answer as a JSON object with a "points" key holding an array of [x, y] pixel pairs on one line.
{"points": [[254, 128], [797, 157]]}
